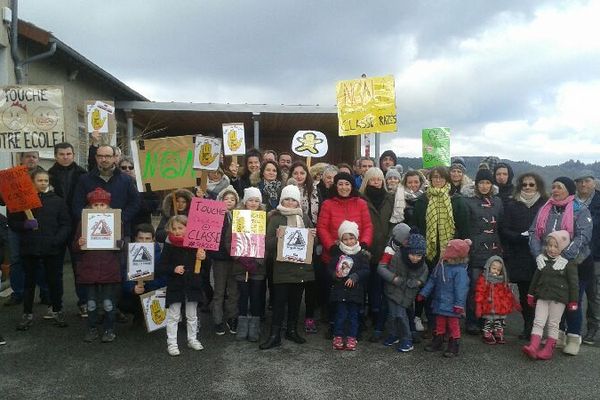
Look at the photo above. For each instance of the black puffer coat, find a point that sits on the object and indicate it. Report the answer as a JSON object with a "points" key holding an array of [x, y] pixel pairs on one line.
{"points": [[180, 288], [485, 217]]}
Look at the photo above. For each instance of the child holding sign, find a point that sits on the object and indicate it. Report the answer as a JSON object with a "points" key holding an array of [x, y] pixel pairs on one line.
{"points": [[183, 284]]}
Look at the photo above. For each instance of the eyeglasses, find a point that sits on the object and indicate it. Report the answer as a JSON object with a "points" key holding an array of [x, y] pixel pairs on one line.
{"points": [[530, 184], [127, 167]]}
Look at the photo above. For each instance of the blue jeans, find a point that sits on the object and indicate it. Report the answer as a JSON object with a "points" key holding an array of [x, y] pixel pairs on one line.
{"points": [[102, 295], [399, 319], [17, 273], [346, 311], [572, 320]]}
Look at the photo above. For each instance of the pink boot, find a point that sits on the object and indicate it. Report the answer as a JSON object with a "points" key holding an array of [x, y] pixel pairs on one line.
{"points": [[548, 350], [532, 349]]}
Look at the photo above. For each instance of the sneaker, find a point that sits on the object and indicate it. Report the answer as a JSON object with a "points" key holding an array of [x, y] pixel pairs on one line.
{"points": [[590, 337], [83, 310], [232, 325], [405, 346], [173, 350], [391, 340], [13, 301], [50, 314], [91, 335], [220, 329], [310, 326], [351, 344], [338, 343], [26, 322], [419, 325], [2, 340], [59, 319], [108, 336], [195, 345]]}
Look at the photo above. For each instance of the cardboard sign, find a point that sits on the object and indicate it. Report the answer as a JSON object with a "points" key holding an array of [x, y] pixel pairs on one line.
{"points": [[366, 105], [102, 229], [31, 118], [154, 310], [100, 116], [234, 140], [248, 231], [165, 163], [17, 189], [205, 221], [140, 262], [309, 144], [295, 246], [436, 147], [207, 153]]}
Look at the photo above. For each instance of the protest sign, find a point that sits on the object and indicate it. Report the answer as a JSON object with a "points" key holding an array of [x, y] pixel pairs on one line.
{"points": [[234, 142], [295, 246], [101, 123], [309, 144], [248, 230], [366, 105], [17, 190], [101, 229], [436, 147], [165, 163], [154, 310], [207, 152], [205, 221], [31, 118], [140, 262]]}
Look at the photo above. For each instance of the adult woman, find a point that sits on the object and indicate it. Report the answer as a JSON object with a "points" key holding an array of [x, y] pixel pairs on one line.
{"points": [[486, 213], [251, 165], [326, 182], [148, 200], [458, 176], [270, 184], [519, 213], [181, 206], [415, 185], [563, 211], [503, 176]]}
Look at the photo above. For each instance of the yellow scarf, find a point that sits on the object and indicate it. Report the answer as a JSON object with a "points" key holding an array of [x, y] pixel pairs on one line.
{"points": [[439, 220]]}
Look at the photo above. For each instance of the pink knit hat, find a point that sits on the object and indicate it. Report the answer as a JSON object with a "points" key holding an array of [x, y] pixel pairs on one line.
{"points": [[562, 238], [457, 248]]}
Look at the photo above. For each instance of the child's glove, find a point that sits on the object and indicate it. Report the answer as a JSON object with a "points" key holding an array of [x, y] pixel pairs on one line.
{"points": [[530, 301], [560, 263], [420, 298], [458, 310], [572, 306], [540, 261], [30, 224]]}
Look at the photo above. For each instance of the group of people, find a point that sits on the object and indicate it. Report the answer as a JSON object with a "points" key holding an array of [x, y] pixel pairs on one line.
{"points": [[393, 247]]}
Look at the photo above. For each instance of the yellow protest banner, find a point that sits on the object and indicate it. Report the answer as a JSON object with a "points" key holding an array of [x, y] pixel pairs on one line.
{"points": [[366, 105]]}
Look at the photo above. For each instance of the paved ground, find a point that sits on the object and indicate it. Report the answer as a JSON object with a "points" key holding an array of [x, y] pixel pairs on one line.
{"points": [[54, 363]]}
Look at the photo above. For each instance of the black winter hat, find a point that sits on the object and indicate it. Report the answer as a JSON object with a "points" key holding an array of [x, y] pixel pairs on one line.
{"points": [[484, 175], [343, 176], [458, 163], [568, 182]]}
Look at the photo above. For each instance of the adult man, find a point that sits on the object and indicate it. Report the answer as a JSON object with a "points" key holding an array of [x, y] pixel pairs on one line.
{"points": [[64, 175], [364, 163], [388, 159], [588, 195], [285, 163], [269, 155]]}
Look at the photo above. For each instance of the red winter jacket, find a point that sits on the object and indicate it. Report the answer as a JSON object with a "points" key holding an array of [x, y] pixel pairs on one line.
{"points": [[336, 210], [493, 298]]}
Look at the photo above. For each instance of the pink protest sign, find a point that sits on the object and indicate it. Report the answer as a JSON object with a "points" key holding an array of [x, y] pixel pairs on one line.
{"points": [[205, 222]]}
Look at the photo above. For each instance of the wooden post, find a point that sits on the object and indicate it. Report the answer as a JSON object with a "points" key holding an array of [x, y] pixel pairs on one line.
{"points": [[308, 159], [197, 266], [234, 160], [203, 180]]}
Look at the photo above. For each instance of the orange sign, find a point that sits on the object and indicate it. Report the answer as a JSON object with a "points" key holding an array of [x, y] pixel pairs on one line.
{"points": [[17, 190]]}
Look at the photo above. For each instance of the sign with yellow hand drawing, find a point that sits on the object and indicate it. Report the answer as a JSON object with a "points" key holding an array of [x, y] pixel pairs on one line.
{"points": [[207, 153], [154, 310], [234, 142], [310, 144], [248, 229], [366, 105], [101, 123]]}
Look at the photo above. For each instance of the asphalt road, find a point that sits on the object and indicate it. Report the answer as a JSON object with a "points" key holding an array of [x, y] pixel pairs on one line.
{"points": [[50, 362]]}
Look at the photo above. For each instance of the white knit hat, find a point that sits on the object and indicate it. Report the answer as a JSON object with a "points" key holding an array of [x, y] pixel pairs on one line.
{"points": [[290, 192], [251, 193], [348, 227]]}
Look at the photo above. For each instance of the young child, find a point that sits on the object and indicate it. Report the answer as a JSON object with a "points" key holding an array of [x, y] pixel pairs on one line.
{"points": [[250, 275], [449, 284], [183, 284], [100, 273], [494, 300], [403, 277], [349, 269], [553, 286]]}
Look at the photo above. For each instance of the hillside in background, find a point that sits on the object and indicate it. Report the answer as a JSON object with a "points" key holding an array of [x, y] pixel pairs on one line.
{"points": [[570, 168]]}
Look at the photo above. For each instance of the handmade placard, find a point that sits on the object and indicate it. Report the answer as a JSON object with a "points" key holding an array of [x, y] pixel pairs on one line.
{"points": [[207, 153], [310, 144], [154, 310], [100, 116], [436, 147], [140, 262], [234, 142], [295, 246], [101, 229], [205, 221], [248, 231], [17, 190]]}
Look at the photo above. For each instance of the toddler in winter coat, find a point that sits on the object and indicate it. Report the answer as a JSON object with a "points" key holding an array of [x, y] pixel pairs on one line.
{"points": [[184, 285], [554, 286], [449, 285], [494, 300], [349, 269], [403, 277]]}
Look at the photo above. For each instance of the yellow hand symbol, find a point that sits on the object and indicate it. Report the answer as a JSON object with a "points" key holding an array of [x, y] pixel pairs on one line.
{"points": [[206, 156], [232, 140], [158, 313], [97, 122]]}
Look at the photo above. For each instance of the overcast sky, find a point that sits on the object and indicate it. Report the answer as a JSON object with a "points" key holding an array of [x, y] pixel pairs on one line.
{"points": [[518, 79]]}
